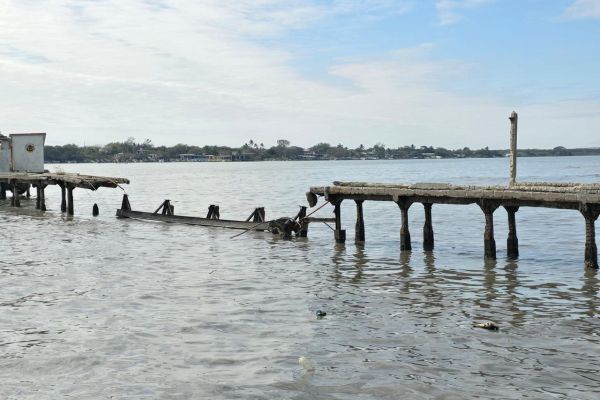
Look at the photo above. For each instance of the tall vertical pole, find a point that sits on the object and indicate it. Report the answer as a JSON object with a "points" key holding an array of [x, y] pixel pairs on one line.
{"points": [[513, 147], [591, 214]]}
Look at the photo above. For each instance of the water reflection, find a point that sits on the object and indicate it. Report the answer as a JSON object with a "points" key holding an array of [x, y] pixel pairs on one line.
{"points": [[590, 291]]}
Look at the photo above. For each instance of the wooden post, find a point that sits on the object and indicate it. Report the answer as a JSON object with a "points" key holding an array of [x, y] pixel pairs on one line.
{"points": [[63, 198], [513, 147], [359, 229], [489, 243], [590, 213], [340, 234], [404, 205], [301, 218], [70, 205], [427, 228], [42, 197], [512, 242], [16, 200]]}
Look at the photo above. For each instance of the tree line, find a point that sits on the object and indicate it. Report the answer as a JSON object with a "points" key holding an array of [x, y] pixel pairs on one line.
{"points": [[131, 150]]}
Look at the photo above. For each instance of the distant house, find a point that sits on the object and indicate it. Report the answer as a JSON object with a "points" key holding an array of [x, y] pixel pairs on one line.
{"points": [[192, 157], [22, 152]]}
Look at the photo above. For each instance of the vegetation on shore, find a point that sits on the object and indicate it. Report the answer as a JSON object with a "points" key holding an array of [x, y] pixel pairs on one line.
{"points": [[132, 151]]}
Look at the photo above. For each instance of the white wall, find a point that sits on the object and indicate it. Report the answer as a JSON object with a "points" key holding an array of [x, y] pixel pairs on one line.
{"points": [[5, 156], [28, 152]]}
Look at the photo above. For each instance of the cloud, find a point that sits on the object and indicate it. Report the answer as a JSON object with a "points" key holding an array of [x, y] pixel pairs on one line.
{"points": [[449, 10], [583, 9], [205, 72]]}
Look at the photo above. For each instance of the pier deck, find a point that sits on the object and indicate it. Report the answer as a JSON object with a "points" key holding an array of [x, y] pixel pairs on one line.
{"points": [[582, 197], [19, 182]]}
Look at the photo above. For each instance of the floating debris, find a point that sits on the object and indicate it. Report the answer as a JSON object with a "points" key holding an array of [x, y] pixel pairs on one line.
{"points": [[307, 364], [487, 325], [321, 314]]}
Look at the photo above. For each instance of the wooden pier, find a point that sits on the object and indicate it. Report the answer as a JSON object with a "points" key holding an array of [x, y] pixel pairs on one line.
{"points": [[20, 182], [582, 197]]}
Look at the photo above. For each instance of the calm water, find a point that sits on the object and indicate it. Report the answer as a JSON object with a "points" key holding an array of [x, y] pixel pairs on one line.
{"points": [[107, 308]]}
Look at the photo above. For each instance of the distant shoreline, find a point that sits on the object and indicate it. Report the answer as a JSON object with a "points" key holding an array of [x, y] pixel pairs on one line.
{"points": [[332, 159], [131, 151]]}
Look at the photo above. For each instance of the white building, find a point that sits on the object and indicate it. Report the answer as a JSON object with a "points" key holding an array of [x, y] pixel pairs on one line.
{"points": [[22, 152]]}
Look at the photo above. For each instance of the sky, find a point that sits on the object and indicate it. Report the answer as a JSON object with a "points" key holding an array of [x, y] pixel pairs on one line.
{"points": [[399, 72]]}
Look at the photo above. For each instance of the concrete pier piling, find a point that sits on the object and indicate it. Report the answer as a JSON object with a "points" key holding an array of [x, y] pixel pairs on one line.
{"points": [[340, 234], [489, 242], [404, 205], [63, 197], [512, 242], [590, 213], [359, 236], [428, 240]]}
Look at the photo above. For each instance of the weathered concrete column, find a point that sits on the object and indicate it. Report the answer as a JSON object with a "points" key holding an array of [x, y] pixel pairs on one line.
{"points": [[37, 196], [513, 147], [427, 228], [70, 205], [404, 205], [42, 190], [28, 193], [590, 213], [2, 191], [512, 242], [489, 243], [359, 236], [63, 198], [340, 234], [16, 200]]}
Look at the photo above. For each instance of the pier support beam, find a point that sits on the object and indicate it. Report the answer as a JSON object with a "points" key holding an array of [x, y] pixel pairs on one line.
{"points": [[404, 205], [2, 191], [359, 229], [340, 234], [489, 243], [590, 213], [37, 196], [70, 205], [15, 201], [42, 194], [512, 242], [427, 228], [63, 198]]}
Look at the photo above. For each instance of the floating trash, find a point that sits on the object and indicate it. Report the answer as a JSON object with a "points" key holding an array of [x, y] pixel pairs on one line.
{"points": [[487, 325], [307, 364], [321, 314]]}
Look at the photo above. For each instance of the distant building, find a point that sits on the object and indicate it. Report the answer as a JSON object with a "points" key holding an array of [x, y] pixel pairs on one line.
{"points": [[192, 157], [22, 152]]}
